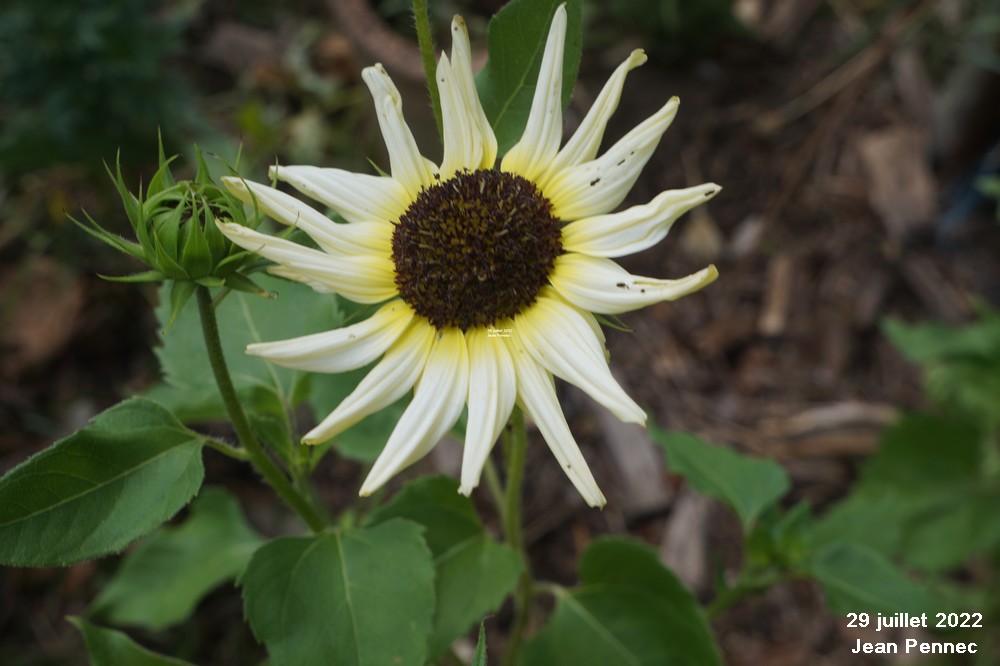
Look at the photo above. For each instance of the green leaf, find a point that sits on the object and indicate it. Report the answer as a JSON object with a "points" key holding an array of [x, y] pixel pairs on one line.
{"points": [[628, 610], [748, 485], [920, 499], [516, 41], [474, 572], [181, 292], [359, 596], [876, 517], [133, 467], [919, 454], [479, 659], [954, 530], [855, 577], [243, 318], [107, 647], [163, 579], [961, 364]]}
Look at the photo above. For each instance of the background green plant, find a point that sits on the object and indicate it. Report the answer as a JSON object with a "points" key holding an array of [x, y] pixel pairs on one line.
{"points": [[84, 79]]}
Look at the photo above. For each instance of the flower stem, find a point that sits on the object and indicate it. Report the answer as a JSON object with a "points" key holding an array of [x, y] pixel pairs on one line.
{"points": [[255, 452], [426, 41], [748, 585], [516, 440]]}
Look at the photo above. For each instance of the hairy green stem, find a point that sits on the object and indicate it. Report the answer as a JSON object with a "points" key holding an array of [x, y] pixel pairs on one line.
{"points": [[426, 41], [255, 452], [227, 449], [516, 440], [494, 486]]}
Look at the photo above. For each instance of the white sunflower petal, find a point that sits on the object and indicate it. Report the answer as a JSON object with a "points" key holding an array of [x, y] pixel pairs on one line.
{"points": [[362, 278], [598, 186], [536, 394], [492, 392], [384, 384], [358, 197], [635, 229], [562, 342], [462, 148], [586, 140], [363, 237], [461, 66], [437, 403], [408, 166], [600, 285], [531, 156], [340, 349]]}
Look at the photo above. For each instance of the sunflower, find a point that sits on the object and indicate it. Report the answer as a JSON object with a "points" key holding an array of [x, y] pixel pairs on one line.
{"points": [[487, 277]]}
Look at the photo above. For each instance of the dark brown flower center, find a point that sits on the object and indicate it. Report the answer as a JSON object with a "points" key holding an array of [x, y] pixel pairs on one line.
{"points": [[475, 249]]}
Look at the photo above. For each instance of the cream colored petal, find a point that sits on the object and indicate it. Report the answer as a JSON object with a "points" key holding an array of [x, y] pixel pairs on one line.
{"points": [[359, 281], [363, 279], [536, 393], [461, 66], [586, 140], [492, 392], [408, 166], [600, 285], [341, 349], [563, 343], [635, 229], [533, 154], [462, 148], [437, 403], [384, 384], [358, 197], [598, 186], [363, 237]]}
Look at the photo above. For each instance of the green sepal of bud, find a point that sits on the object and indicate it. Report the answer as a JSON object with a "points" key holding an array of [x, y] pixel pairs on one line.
{"points": [[196, 257], [180, 293], [240, 282], [176, 234], [145, 276]]}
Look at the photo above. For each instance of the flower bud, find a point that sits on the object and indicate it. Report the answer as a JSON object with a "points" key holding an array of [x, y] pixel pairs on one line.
{"points": [[177, 236]]}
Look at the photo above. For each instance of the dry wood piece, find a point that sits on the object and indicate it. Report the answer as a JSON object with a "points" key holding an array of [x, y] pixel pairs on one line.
{"points": [[636, 462], [848, 428], [868, 305], [786, 19], [825, 418], [901, 187], [238, 48], [41, 309], [684, 549], [366, 30], [746, 238], [941, 296], [778, 298], [910, 79], [723, 334]]}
